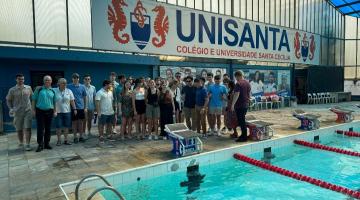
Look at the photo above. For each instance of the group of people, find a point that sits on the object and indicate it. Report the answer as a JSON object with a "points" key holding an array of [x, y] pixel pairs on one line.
{"points": [[145, 104]]}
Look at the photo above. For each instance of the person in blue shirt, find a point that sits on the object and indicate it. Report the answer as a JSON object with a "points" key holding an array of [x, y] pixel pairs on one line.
{"points": [[78, 119], [44, 109], [216, 95], [200, 105]]}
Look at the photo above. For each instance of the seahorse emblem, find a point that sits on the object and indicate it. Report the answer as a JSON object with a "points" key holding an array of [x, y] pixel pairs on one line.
{"points": [[312, 47], [139, 12], [161, 26], [297, 45], [117, 20]]}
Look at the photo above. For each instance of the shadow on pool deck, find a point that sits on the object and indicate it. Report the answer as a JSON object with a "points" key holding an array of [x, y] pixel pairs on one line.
{"points": [[31, 175]]}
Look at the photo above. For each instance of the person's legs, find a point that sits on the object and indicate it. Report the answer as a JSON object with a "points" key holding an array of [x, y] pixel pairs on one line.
{"points": [[187, 116], [88, 120], [240, 113], [123, 126], [47, 135], [197, 119], [203, 122], [101, 128], [20, 134], [40, 129], [129, 127], [81, 129], [218, 121]]}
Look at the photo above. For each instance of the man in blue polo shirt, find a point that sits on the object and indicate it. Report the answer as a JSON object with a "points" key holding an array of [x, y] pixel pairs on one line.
{"points": [[200, 102], [78, 119]]}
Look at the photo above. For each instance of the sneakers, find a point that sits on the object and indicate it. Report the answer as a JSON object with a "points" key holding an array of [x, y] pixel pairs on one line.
{"points": [[81, 139], [156, 137], [39, 148], [58, 143], [150, 137], [67, 143], [21, 146], [218, 132], [76, 140], [27, 147], [47, 147]]}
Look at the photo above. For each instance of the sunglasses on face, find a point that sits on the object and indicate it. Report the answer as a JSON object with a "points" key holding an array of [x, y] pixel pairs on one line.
{"points": [[75, 77]]}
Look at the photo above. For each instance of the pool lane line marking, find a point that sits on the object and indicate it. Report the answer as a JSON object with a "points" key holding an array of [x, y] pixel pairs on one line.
{"points": [[327, 148], [348, 133], [317, 182]]}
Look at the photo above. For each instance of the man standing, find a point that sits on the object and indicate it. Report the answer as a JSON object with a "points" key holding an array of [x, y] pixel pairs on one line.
{"points": [[78, 119], [200, 102], [90, 92], [18, 101], [210, 120], [216, 95], [189, 97], [240, 103], [44, 109], [105, 107]]}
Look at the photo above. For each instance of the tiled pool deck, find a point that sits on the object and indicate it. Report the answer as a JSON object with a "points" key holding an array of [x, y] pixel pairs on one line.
{"points": [[30, 175]]}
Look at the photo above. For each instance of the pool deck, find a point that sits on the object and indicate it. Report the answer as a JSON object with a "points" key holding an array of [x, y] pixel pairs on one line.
{"points": [[36, 176]]}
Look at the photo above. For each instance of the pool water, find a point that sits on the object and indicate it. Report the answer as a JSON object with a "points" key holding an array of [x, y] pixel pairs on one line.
{"points": [[236, 180]]}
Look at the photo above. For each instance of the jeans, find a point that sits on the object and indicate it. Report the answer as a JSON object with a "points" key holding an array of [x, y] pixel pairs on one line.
{"points": [[43, 120], [240, 114]]}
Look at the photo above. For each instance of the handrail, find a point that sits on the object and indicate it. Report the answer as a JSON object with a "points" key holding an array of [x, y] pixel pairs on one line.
{"points": [[106, 188], [86, 177]]}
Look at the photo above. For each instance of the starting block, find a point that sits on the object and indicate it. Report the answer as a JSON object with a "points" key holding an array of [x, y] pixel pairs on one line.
{"points": [[343, 115], [259, 130], [308, 121], [184, 140]]}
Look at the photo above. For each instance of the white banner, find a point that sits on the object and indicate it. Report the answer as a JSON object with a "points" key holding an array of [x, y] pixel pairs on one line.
{"points": [[145, 26]]}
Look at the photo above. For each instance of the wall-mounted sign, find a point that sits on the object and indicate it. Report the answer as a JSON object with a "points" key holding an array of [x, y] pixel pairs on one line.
{"points": [[145, 26], [168, 72]]}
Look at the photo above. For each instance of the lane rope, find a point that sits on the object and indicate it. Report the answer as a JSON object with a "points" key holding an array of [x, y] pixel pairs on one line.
{"points": [[327, 148], [297, 176], [348, 133]]}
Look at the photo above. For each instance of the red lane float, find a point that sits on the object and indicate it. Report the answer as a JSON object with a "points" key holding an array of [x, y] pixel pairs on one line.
{"points": [[297, 176], [327, 148], [348, 133]]}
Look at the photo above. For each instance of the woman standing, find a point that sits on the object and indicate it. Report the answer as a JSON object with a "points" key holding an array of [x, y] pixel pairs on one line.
{"points": [[64, 98], [139, 107], [231, 119], [152, 109], [167, 109], [176, 93], [126, 111]]}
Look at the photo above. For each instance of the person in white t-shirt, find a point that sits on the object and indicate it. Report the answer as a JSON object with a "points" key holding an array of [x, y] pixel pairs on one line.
{"points": [[105, 107], [257, 86], [64, 98]]}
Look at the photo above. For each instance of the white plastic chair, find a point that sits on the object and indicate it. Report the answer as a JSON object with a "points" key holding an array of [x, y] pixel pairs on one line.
{"points": [[326, 98], [320, 98], [315, 98], [309, 99]]}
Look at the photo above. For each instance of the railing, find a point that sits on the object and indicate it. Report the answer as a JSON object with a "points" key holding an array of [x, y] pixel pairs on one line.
{"points": [[108, 187]]}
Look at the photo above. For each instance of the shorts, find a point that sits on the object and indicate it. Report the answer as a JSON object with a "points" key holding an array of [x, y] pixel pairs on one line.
{"points": [[140, 107], [106, 119], [22, 120], [215, 110], [152, 111], [177, 105], [80, 115], [63, 120]]}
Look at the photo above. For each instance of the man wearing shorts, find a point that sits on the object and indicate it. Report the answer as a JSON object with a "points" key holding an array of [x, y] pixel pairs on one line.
{"points": [[18, 101], [90, 92], [105, 107], [78, 120], [216, 95]]}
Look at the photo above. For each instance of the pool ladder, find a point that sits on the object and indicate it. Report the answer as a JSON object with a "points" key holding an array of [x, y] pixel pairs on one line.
{"points": [[107, 187]]}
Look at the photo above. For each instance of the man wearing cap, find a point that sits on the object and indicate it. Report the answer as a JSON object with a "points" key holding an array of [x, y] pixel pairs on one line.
{"points": [[78, 118]]}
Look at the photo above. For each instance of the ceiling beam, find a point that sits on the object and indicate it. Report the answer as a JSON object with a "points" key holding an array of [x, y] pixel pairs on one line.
{"points": [[347, 4]]}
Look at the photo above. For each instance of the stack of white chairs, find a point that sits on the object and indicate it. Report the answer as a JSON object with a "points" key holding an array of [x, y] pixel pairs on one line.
{"points": [[324, 97]]}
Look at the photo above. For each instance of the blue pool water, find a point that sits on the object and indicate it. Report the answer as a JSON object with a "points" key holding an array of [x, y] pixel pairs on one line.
{"points": [[235, 180]]}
